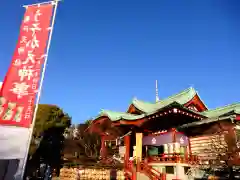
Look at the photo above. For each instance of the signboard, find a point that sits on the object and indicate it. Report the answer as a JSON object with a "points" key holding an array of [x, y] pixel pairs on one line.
{"points": [[165, 138]]}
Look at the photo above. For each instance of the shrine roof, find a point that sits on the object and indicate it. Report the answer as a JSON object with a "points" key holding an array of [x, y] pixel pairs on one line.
{"points": [[150, 108], [218, 114], [220, 111], [115, 116], [206, 121], [181, 98]]}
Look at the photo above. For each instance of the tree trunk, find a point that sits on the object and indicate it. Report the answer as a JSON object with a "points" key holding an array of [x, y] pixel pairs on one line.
{"points": [[231, 173]]}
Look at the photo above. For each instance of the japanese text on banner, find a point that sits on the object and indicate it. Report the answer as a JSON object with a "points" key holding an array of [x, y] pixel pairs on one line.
{"points": [[20, 86]]}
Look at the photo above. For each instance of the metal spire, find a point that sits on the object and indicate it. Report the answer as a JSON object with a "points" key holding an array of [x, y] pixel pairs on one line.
{"points": [[157, 97]]}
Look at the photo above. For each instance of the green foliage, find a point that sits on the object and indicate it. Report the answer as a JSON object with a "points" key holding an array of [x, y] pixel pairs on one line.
{"points": [[51, 122], [50, 116]]}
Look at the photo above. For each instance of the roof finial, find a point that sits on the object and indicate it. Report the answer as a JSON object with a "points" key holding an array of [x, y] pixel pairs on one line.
{"points": [[157, 97]]}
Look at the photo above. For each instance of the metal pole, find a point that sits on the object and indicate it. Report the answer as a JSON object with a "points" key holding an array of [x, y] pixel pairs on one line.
{"points": [[47, 2], [40, 86]]}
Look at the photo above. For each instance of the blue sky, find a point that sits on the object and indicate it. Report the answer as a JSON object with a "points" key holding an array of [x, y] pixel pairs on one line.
{"points": [[104, 53]]}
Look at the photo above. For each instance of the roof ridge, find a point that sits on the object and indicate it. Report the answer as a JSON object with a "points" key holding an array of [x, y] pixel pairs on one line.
{"points": [[223, 107], [135, 99], [120, 112], [178, 94], [169, 97]]}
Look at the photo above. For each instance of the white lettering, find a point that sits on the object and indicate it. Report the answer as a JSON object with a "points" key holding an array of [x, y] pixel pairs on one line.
{"points": [[25, 28], [25, 72], [30, 100], [29, 110], [29, 58], [28, 113], [37, 15], [35, 28], [17, 62], [49, 28], [26, 19], [33, 43], [20, 50], [41, 58], [35, 84], [20, 89], [23, 40]]}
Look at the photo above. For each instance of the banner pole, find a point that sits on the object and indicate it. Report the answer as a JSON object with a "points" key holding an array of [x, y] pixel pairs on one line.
{"points": [[55, 2], [46, 2]]}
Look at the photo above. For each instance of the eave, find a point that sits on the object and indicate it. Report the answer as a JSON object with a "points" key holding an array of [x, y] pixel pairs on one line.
{"points": [[198, 103], [170, 111], [173, 108], [95, 123], [208, 121], [117, 118], [127, 122], [134, 110]]}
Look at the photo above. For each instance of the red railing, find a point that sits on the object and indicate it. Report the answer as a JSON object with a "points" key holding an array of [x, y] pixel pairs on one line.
{"points": [[129, 170], [152, 173], [173, 158], [127, 176]]}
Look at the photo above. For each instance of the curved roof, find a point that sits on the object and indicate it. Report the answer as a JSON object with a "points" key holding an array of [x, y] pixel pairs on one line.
{"points": [[181, 98], [116, 116], [234, 108]]}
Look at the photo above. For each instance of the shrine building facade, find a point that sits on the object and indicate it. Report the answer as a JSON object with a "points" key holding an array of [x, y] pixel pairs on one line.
{"points": [[169, 135]]}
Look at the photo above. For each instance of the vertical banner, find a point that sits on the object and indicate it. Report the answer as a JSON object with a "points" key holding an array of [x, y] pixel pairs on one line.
{"points": [[20, 86], [18, 92]]}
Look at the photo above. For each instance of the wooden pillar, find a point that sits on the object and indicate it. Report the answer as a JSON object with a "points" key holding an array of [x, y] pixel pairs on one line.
{"points": [[146, 152], [139, 137], [103, 150], [189, 146], [127, 147], [189, 149], [174, 144], [174, 131]]}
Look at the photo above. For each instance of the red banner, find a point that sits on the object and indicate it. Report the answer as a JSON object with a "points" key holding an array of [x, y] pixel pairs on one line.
{"points": [[18, 92]]}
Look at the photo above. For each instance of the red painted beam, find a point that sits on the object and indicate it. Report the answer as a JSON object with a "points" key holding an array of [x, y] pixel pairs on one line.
{"points": [[238, 118]]}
